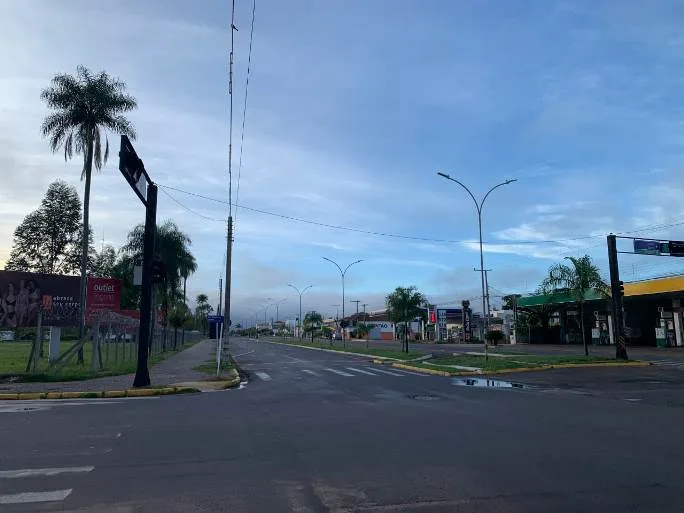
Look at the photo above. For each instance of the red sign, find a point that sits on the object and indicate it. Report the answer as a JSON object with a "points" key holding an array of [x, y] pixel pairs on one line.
{"points": [[103, 294]]}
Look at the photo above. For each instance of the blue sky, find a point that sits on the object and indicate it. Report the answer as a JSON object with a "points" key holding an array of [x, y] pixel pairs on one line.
{"points": [[353, 107]]}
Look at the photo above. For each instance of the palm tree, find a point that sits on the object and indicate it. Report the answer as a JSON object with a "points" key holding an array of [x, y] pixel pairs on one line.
{"points": [[85, 107], [312, 321], [577, 280], [362, 331], [188, 266], [404, 305], [203, 309]]}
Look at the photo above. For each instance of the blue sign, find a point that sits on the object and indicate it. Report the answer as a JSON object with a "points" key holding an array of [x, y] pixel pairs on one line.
{"points": [[648, 247], [215, 318]]}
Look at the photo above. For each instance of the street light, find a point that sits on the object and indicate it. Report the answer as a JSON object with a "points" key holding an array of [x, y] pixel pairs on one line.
{"points": [[479, 206], [342, 274], [300, 292], [277, 305]]}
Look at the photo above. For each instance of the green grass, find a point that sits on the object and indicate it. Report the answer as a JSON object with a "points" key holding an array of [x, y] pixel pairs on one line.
{"points": [[14, 356], [515, 362], [209, 367], [337, 346]]}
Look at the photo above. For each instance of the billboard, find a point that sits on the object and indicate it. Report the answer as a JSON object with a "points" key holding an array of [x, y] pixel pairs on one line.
{"points": [[103, 294], [23, 294], [380, 330]]}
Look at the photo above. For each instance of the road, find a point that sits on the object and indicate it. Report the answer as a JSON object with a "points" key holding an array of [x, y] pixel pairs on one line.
{"points": [[313, 431]]}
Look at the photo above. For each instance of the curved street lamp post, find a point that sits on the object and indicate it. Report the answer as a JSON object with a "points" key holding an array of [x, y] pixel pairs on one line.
{"points": [[478, 207], [342, 275], [301, 293]]}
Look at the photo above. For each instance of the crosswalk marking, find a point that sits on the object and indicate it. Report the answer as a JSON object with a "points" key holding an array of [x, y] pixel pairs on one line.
{"points": [[30, 472], [669, 363], [263, 376], [389, 373], [29, 497], [341, 373], [310, 372], [354, 369]]}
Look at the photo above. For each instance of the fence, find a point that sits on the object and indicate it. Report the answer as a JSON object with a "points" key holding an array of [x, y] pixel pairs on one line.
{"points": [[110, 347]]}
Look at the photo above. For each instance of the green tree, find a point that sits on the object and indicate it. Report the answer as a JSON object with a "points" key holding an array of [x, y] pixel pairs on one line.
{"points": [[179, 315], [362, 331], [577, 279], [104, 263], [202, 310], [494, 336], [312, 322], [48, 237], [123, 270], [404, 305], [84, 108]]}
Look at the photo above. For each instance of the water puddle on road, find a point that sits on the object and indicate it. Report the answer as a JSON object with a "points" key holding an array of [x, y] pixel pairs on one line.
{"points": [[486, 383]]}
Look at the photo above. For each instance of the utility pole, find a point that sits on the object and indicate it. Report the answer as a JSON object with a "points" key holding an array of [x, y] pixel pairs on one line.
{"points": [[617, 292], [485, 302], [337, 314], [487, 292], [218, 310], [357, 307], [364, 310]]}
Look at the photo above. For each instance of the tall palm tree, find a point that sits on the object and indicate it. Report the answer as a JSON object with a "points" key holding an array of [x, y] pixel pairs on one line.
{"points": [[577, 279], [203, 309], [84, 108], [188, 266], [404, 305], [312, 321]]}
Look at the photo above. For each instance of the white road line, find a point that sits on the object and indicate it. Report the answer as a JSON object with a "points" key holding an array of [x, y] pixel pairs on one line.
{"points": [[354, 369], [28, 497], [310, 372], [263, 376], [341, 373], [30, 472], [389, 373]]}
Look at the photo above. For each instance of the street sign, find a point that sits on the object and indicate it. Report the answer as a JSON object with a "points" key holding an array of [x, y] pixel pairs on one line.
{"points": [[133, 169], [676, 248], [215, 318], [648, 247]]}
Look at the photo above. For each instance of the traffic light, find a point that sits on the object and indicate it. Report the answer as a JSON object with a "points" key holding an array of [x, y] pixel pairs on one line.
{"points": [[158, 271], [621, 286]]}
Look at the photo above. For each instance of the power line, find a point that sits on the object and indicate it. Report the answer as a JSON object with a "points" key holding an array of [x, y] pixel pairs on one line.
{"points": [[244, 108], [191, 210]]}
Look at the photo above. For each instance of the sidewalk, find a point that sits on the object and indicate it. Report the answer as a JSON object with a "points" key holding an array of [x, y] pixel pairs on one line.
{"points": [[175, 369]]}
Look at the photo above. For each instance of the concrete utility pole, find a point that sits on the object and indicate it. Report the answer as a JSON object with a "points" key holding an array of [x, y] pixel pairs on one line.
{"points": [[478, 207], [617, 292], [357, 307]]}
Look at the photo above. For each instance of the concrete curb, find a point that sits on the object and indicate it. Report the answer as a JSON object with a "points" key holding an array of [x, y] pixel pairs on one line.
{"points": [[231, 381], [525, 369], [384, 358], [101, 394], [421, 369]]}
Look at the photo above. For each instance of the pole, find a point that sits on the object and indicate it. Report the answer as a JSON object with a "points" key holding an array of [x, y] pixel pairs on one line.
{"points": [[482, 279], [142, 374], [487, 290], [616, 303], [229, 260], [299, 324], [218, 310]]}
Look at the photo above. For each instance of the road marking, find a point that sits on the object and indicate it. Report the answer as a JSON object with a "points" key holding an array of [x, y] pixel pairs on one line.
{"points": [[341, 373], [310, 372], [28, 497], [354, 369], [263, 376], [389, 373], [30, 472]]}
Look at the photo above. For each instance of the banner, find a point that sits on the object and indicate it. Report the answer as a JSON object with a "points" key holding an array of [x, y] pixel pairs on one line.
{"points": [[23, 294], [103, 294]]}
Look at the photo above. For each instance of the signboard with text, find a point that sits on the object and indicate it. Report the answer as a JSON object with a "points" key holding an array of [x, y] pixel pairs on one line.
{"points": [[649, 247]]}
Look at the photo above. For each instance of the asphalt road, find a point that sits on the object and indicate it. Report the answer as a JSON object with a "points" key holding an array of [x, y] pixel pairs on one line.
{"points": [[312, 431]]}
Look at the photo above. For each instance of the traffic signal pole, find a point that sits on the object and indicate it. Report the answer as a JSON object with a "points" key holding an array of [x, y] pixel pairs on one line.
{"points": [[616, 291], [142, 374]]}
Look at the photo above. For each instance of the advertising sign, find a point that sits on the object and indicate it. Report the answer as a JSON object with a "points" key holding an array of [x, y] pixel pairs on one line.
{"points": [[676, 248], [103, 294], [442, 323], [649, 247], [467, 324], [23, 294], [380, 330]]}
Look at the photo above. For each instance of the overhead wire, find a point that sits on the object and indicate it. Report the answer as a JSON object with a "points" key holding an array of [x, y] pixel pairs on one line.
{"points": [[244, 107]]}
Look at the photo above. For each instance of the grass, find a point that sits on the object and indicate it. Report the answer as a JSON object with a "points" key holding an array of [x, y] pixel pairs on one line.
{"points": [[14, 356], [374, 351], [209, 367], [515, 362]]}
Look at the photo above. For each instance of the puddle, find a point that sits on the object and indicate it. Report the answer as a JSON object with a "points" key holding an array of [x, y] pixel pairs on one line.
{"points": [[487, 383]]}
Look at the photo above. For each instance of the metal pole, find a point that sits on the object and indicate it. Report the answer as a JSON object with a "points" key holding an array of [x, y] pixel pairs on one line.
{"points": [[616, 293], [482, 278], [142, 374], [229, 261]]}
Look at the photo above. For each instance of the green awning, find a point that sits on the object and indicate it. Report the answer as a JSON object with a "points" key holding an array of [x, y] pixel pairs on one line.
{"points": [[556, 299]]}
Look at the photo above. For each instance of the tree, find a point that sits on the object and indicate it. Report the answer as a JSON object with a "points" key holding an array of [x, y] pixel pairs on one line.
{"points": [[179, 316], [362, 331], [494, 336], [202, 310], [312, 322], [48, 237], [83, 107], [404, 305], [577, 280], [187, 266], [104, 263]]}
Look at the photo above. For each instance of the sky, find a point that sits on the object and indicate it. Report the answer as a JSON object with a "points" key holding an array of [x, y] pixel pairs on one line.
{"points": [[352, 108]]}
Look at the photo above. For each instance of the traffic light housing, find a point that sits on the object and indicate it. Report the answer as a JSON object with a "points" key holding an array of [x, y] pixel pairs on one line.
{"points": [[158, 270], [621, 288]]}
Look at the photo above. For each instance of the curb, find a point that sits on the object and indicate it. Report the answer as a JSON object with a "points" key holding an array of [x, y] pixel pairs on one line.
{"points": [[436, 372], [385, 358], [213, 385], [102, 394]]}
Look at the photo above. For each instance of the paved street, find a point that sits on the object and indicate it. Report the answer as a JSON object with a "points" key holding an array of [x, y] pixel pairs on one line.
{"points": [[313, 431]]}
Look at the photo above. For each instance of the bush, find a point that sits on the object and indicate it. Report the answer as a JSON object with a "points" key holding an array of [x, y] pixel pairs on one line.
{"points": [[494, 336]]}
